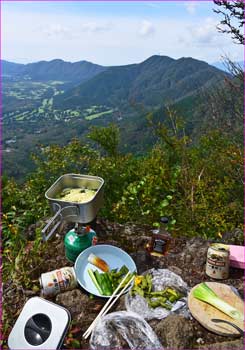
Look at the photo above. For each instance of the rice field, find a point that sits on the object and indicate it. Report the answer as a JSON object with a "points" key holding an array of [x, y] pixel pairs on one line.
{"points": [[97, 115]]}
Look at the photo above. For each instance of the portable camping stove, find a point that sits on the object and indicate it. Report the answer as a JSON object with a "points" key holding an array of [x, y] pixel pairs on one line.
{"points": [[82, 214]]}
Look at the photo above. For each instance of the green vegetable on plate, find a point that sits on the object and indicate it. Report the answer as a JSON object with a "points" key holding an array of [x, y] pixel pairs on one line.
{"points": [[107, 282], [91, 274]]}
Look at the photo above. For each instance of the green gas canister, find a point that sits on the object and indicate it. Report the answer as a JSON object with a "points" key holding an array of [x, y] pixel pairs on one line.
{"points": [[77, 240]]}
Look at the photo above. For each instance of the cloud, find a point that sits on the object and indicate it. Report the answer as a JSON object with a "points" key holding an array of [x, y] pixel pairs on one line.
{"points": [[110, 40], [205, 34], [56, 31], [95, 27], [191, 7], [146, 28]]}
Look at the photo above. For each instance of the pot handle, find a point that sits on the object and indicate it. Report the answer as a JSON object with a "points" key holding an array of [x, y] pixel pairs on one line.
{"points": [[56, 220]]}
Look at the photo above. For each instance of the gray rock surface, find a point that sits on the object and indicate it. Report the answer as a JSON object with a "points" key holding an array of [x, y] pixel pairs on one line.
{"points": [[75, 301], [231, 345], [170, 332]]}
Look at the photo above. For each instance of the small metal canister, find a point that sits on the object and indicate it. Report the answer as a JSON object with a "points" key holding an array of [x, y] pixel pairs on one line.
{"points": [[217, 265], [58, 281]]}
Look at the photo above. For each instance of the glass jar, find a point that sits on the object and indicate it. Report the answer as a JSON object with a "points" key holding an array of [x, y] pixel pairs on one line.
{"points": [[161, 239]]}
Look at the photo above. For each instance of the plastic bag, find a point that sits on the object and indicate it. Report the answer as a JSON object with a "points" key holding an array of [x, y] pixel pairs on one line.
{"points": [[161, 279], [123, 329]]}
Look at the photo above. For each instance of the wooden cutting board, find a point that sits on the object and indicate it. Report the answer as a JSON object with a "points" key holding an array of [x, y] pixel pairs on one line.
{"points": [[204, 312]]}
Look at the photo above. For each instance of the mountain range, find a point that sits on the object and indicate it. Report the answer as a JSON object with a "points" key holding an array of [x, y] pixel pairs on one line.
{"points": [[151, 82], [42, 100], [224, 67], [56, 69]]}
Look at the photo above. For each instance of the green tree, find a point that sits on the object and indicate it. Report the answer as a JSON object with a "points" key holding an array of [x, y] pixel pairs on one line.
{"points": [[233, 18], [107, 138]]}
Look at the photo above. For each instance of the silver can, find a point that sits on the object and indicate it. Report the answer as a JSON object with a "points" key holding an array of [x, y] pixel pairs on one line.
{"points": [[58, 281], [217, 265]]}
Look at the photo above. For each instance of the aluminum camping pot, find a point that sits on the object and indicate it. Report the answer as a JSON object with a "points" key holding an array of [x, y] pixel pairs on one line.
{"points": [[71, 211]]}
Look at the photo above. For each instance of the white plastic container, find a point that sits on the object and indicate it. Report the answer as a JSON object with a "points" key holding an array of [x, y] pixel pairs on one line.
{"points": [[40, 325]]}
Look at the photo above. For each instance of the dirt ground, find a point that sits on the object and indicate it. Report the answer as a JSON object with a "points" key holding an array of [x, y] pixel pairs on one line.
{"points": [[187, 258]]}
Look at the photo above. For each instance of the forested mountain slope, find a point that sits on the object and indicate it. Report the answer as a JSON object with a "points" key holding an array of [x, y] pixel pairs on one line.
{"points": [[52, 70], [152, 82]]}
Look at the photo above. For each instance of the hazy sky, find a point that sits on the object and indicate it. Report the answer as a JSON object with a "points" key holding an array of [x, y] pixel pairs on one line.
{"points": [[111, 32]]}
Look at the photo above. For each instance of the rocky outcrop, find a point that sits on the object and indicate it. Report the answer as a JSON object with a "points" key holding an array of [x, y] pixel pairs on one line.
{"points": [[227, 345], [186, 257], [170, 332]]}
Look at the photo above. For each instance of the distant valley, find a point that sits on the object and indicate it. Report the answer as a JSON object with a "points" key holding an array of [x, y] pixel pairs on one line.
{"points": [[53, 102]]}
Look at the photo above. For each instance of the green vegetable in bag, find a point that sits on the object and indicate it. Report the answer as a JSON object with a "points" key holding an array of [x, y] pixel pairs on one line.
{"points": [[164, 298]]}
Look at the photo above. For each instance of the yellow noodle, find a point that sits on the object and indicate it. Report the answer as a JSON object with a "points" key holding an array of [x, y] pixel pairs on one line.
{"points": [[75, 195]]}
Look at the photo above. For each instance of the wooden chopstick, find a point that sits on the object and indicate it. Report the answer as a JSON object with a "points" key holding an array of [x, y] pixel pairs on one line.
{"points": [[107, 309], [109, 304], [105, 306]]}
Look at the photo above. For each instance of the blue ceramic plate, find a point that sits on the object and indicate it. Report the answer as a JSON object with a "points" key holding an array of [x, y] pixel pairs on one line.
{"points": [[115, 258]]}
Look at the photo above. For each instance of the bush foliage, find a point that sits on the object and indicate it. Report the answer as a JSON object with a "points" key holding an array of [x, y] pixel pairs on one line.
{"points": [[199, 187]]}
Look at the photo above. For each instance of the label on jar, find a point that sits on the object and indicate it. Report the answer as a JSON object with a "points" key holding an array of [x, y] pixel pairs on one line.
{"points": [[159, 244], [217, 265]]}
